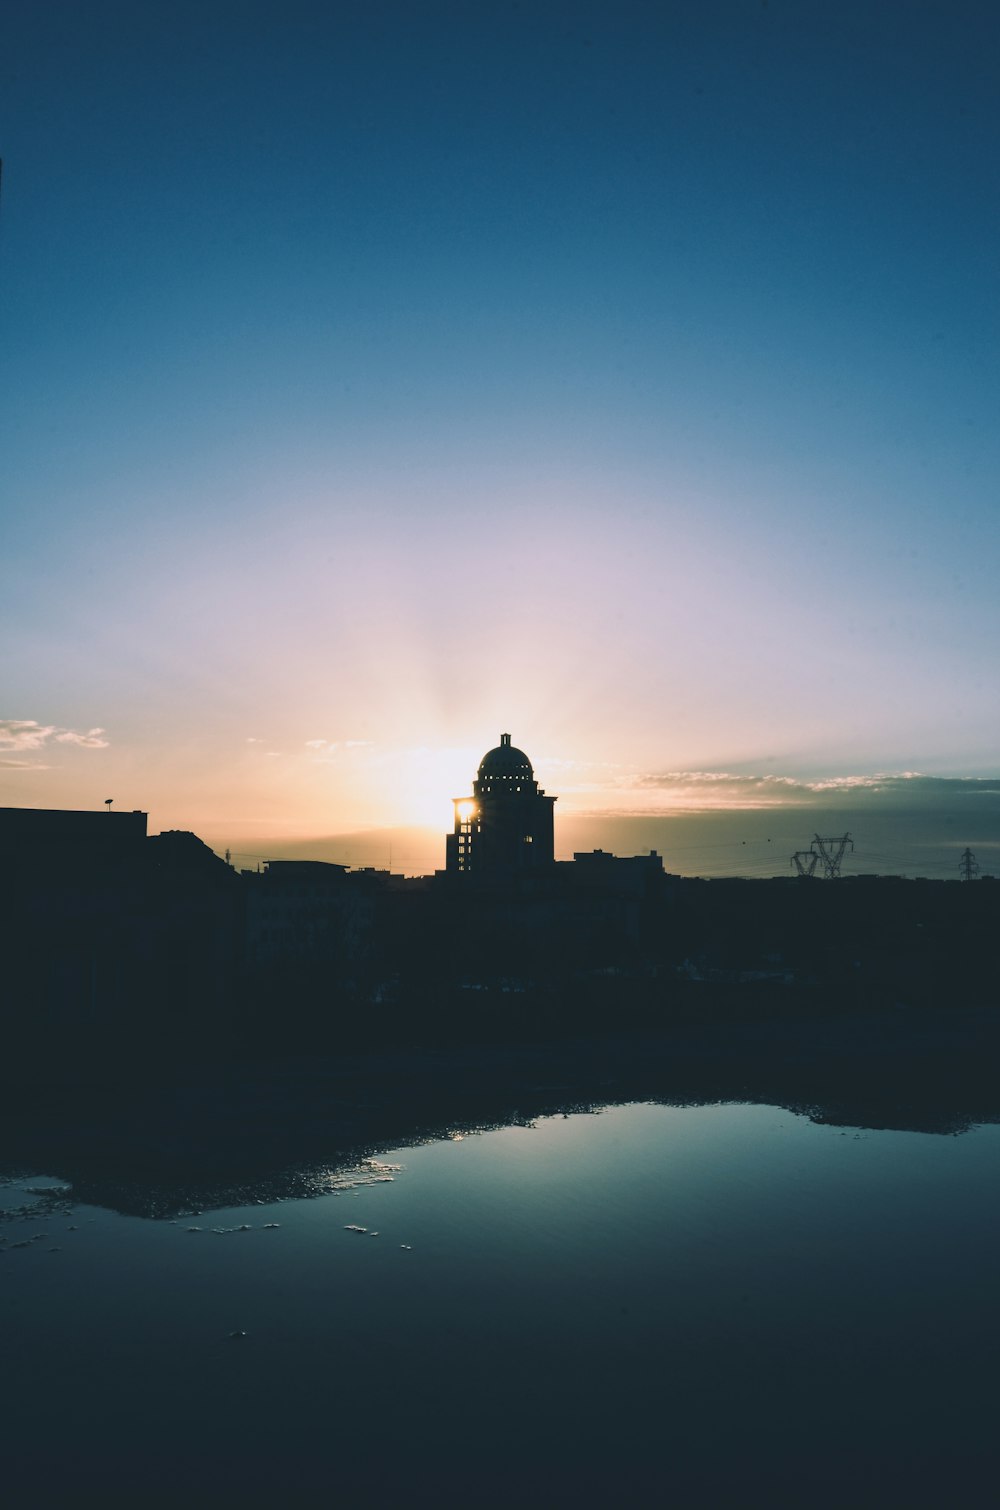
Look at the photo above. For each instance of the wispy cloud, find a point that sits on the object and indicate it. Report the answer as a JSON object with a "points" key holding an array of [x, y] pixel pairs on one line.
{"points": [[331, 746], [724, 787], [24, 734], [727, 789], [92, 740], [28, 734]]}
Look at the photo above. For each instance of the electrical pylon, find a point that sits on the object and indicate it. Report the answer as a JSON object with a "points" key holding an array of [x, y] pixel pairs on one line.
{"points": [[832, 856], [968, 865], [804, 861]]}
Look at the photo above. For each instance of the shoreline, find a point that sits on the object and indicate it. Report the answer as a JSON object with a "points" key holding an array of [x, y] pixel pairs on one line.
{"points": [[209, 1131]]}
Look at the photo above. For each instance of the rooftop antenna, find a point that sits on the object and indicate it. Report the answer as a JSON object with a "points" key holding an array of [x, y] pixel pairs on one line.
{"points": [[832, 857], [107, 803]]}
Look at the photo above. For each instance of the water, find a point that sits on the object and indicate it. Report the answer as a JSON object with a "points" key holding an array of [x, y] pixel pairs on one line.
{"points": [[676, 1305]]}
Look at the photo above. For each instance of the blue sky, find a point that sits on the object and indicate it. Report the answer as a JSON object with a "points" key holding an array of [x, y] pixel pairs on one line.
{"points": [[380, 377]]}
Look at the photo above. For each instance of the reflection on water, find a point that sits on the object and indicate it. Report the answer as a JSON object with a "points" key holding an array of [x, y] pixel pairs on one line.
{"points": [[229, 1139], [681, 1304]]}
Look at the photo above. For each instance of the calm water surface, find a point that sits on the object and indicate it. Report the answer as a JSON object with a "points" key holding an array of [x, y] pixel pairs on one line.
{"points": [[689, 1306]]}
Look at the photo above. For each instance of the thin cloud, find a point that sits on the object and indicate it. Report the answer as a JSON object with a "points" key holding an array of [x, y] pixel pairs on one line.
{"points": [[726, 789], [28, 734], [92, 740], [723, 788], [24, 733], [330, 746]]}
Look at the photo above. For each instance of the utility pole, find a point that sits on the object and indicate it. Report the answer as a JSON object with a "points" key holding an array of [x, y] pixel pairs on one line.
{"points": [[833, 855], [804, 861], [968, 865]]}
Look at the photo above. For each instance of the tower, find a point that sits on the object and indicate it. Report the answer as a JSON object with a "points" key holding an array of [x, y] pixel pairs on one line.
{"points": [[831, 852], [505, 827], [968, 865]]}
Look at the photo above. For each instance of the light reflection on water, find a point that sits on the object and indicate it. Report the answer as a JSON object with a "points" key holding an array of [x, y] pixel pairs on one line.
{"points": [[701, 1303]]}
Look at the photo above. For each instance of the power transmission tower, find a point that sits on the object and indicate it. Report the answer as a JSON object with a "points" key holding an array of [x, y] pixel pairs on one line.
{"points": [[968, 865], [833, 855], [804, 861]]}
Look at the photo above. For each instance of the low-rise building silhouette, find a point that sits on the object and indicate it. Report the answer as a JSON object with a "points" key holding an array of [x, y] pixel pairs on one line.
{"points": [[112, 940], [50, 839], [308, 912]]}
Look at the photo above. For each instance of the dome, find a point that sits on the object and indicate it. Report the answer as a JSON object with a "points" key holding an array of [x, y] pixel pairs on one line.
{"points": [[506, 760]]}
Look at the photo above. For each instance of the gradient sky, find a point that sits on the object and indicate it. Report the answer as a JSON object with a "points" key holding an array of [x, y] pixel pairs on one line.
{"points": [[378, 377]]}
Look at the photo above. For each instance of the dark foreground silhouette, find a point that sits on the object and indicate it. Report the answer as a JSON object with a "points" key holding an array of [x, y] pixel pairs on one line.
{"points": [[221, 1135], [170, 1028]]}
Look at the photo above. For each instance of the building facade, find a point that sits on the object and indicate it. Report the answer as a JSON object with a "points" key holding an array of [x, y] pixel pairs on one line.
{"points": [[505, 828]]}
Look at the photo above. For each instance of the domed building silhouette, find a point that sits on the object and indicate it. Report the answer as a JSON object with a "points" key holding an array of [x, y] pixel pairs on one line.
{"points": [[505, 827]]}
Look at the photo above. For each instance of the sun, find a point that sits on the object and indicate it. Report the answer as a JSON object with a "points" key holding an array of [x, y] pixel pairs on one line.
{"points": [[429, 780]]}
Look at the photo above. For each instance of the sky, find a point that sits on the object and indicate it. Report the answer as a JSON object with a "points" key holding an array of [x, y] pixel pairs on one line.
{"points": [[378, 378]]}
